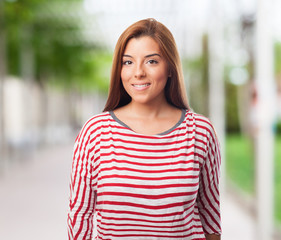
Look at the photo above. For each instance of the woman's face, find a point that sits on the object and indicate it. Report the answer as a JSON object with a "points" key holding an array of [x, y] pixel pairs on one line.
{"points": [[144, 71]]}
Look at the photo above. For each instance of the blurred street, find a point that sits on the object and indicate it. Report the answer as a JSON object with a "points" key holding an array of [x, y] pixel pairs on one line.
{"points": [[34, 196], [34, 200]]}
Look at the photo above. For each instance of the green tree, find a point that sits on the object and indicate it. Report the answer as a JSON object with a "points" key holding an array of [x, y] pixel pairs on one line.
{"points": [[46, 42]]}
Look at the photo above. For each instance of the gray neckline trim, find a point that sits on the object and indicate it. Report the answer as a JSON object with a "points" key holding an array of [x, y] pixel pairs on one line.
{"points": [[163, 133]]}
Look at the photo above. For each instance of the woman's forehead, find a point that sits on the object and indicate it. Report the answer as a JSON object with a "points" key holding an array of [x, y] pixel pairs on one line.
{"points": [[142, 46]]}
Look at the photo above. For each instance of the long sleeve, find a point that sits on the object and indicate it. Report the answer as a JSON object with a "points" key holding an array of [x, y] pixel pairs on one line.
{"points": [[208, 195], [82, 195]]}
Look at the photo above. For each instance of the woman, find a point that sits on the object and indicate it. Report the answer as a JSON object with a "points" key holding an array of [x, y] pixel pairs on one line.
{"points": [[147, 167]]}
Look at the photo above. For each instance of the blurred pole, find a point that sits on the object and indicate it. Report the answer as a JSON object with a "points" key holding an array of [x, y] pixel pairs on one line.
{"points": [[2, 77], [216, 77], [27, 71], [266, 106]]}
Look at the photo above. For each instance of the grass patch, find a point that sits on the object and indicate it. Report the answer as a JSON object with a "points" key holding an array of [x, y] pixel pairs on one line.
{"points": [[240, 167], [240, 162]]}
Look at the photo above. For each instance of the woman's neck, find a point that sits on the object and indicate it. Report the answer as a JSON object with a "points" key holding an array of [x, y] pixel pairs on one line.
{"points": [[149, 110]]}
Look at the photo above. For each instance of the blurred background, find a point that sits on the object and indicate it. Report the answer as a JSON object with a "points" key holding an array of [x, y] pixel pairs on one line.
{"points": [[55, 61]]}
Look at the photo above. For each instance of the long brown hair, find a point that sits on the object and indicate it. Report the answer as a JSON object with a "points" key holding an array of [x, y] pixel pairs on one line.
{"points": [[174, 90]]}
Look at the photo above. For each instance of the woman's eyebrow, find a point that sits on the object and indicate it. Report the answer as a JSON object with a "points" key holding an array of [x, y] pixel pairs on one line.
{"points": [[153, 54], [147, 56]]}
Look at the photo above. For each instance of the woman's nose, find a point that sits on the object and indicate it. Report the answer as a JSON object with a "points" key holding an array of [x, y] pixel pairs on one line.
{"points": [[139, 72]]}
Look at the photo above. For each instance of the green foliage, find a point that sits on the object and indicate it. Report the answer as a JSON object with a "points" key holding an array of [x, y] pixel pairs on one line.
{"points": [[12, 35], [96, 71], [231, 102], [232, 119], [61, 54], [92, 72], [277, 128], [277, 55]]}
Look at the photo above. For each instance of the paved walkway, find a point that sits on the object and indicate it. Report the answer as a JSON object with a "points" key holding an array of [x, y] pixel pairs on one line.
{"points": [[34, 200]]}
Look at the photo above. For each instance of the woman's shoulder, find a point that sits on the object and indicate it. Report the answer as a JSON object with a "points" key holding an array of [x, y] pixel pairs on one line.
{"points": [[93, 123], [203, 127], [98, 118], [199, 120]]}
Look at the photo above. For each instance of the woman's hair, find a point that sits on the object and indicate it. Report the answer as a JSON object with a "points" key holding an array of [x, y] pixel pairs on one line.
{"points": [[174, 90]]}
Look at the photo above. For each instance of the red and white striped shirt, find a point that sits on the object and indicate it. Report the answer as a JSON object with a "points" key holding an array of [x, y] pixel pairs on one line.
{"points": [[145, 187]]}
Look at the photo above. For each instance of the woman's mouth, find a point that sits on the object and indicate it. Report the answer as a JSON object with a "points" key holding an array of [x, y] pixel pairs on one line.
{"points": [[141, 86]]}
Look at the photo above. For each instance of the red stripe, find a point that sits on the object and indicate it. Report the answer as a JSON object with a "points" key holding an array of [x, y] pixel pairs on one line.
{"points": [[151, 171], [173, 215], [142, 225], [181, 162], [138, 149], [145, 206], [152, 235], [147, 230], [147, 178], [154, 157], [128, 185], [148, 143], [146, 196], [118, 219], [148, 157]]}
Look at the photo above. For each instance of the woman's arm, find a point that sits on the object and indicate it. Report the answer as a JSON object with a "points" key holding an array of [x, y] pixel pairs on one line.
{"points": [[208, 198], [82, 194], [212, 237]]}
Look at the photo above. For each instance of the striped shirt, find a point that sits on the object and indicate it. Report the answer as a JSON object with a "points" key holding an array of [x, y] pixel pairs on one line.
{"points": [[140, 186]]}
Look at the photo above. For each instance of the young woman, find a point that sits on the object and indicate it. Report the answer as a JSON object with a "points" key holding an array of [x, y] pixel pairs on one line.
{"points": [[147, 167]]}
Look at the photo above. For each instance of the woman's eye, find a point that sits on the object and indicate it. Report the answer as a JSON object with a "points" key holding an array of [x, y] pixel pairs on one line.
{"points": [[127, 62], [152, 61]]}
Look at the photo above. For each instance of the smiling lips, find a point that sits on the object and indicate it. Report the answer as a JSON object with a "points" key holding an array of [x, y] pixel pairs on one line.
{"points": [[141, 86]]}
